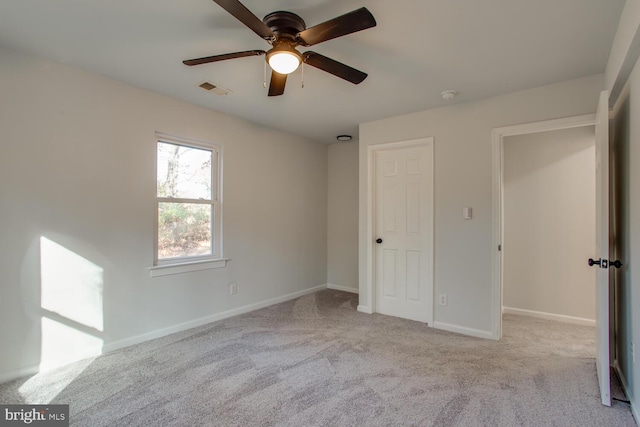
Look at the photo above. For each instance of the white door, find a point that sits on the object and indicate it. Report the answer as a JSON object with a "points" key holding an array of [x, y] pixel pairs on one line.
{"points": [[602, 247], [404, 232]]}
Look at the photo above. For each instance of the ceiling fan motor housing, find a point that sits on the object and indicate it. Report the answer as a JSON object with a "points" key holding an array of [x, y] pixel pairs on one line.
{"points": [[285, 24]]}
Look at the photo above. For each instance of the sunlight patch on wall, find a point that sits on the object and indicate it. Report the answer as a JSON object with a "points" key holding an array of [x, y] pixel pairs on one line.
{"points": [[62, 344], [71, 285], [71, 305]]}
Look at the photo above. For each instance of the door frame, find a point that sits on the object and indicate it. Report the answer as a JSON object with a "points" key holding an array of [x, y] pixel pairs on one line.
{"points": [[497, 147], [369, 303]]}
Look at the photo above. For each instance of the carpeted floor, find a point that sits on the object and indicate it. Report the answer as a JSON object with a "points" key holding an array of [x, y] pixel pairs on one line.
{"points": [[316, 361]]}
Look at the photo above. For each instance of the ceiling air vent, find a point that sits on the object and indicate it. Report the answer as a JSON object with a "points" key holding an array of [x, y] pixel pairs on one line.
{"points": [[210, 87]]}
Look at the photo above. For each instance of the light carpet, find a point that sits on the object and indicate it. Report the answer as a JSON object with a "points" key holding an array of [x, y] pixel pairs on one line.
{"points": [[316, 361]]}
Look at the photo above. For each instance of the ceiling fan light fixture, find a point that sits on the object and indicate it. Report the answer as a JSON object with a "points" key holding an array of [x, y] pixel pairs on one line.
{"points": [[284, 59]]}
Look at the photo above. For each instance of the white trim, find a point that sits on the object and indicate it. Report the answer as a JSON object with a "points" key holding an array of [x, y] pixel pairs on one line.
{"points": [[497, 146], [478, 333], [365, 309], [550, 316], [19, 373], [369, 305], [180, 200], [547, 125], [625, 386], [187, 267], [159, 333], [343, 288], [620, 100], [215, 202], [183, 140], [496, 240], [616, 366]]}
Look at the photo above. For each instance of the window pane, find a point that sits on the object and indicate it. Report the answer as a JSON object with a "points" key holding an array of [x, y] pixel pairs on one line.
{"points": [[184, 229], [184, 172]]}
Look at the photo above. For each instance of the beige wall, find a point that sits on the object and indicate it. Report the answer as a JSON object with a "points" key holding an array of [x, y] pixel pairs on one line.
{"points": [[549, 222], [342, 221], [463, 170], [77, 167]]}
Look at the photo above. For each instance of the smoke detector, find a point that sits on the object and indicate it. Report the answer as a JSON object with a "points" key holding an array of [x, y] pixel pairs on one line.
{"points": [[448, 94]]}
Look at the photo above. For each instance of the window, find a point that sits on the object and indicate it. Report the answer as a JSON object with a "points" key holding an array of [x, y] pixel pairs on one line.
{"points": [[188, 205]]}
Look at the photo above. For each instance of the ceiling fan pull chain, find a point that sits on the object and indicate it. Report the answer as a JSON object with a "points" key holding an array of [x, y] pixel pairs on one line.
{"points": [[264, 81], [302, 69]]}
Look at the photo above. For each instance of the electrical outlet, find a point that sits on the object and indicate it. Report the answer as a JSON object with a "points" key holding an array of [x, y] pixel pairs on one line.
{"points": [[233, 288], [443, 299]]}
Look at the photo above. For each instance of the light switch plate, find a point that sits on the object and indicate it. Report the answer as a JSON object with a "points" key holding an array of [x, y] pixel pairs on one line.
{"points": [[467, 213]]}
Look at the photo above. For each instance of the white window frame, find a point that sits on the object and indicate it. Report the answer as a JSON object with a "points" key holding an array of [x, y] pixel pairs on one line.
{"points": [[162, 267]]}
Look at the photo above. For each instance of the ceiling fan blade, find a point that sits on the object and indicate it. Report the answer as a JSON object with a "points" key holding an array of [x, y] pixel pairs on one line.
{"points": [[334, 67], [223, 57], [244, 15], [276, 87], [358, 20]]}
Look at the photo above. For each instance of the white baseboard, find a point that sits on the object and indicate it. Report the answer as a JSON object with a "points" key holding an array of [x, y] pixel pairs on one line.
{"points": [[23, 372], [343, 288], [116, 345], [365, 309], [447, 327], [478, 333], [549, 316], [625, 386]]}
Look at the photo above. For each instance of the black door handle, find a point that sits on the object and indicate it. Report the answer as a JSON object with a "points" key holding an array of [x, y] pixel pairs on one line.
{"points": [[616, 264], [378, 240], [605, 263]]}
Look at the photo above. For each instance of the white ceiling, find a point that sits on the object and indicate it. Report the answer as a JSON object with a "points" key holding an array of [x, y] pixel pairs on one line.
{"points": [[480, 48]]}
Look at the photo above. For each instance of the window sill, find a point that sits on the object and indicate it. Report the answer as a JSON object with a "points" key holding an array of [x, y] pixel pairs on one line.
{"points": [[187, 267]]}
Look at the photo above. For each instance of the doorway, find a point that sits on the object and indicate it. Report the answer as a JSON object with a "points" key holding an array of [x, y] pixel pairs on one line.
{"points": [[498, 140], [600, 120], [549, 225]]}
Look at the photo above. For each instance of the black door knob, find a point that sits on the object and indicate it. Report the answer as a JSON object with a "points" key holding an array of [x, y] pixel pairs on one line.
{"points": [[378, 240], [592, 262], [616, 264]]}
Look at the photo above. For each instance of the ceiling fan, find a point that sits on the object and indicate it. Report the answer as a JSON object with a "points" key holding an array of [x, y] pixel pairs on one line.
{"points": [[284, 31]]}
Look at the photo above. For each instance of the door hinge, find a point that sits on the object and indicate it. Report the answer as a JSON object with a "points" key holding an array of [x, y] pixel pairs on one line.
{"points": [[499, 248]]}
